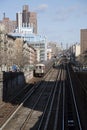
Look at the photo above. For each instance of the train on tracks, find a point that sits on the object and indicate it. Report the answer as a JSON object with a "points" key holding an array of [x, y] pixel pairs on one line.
{"points": [[42, 68]]}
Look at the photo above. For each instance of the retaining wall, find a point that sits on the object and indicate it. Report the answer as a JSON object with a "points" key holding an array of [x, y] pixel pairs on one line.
{"points": [[11, 83]]}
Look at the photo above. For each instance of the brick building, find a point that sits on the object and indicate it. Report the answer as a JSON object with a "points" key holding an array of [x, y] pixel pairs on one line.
{"points": [[9, 24], [26, 19], [83, 40]]}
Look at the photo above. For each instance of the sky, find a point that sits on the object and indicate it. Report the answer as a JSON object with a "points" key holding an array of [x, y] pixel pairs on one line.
{"points": [[59, 20]]}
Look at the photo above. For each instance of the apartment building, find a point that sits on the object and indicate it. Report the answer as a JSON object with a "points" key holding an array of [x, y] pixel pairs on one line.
{"points": [[75, 49], [27, 19], [37, 41], [83, 40], [10, 25], [55, 48], [15, 51]]}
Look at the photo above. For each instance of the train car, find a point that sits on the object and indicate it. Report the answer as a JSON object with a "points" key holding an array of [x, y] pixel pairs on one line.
{"points": [[42, 68]]}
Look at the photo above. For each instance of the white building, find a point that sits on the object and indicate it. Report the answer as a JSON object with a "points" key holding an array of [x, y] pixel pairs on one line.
{"points": [[35, 40], [49, 53], [55, 48], [19, 18], [78, 52], [75, 49]]}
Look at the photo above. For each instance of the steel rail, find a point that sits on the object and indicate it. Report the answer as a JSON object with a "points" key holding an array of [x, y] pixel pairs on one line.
{"points": [[57, 110], [32, 110], [40, 124], [78, 117], [48, 117], [25, 98], [63, 103]]}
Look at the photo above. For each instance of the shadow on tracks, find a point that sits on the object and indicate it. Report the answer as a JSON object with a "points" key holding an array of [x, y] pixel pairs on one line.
{"points": [[12, 84], [29, 104]]}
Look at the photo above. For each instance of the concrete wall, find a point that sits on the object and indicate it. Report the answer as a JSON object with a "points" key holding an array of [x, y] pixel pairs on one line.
{"points": [[10, 84]]}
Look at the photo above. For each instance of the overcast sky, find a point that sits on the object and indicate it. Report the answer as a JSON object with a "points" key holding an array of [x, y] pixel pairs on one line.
{"points": [[59, 20]]}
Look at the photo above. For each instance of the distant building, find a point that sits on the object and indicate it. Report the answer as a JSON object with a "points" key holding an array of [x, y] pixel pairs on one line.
{"points": [[35, 40], [40, 44], [78, 50], [15, 51], [27, 19], [23, 19], [83, 40], [2, 27], [19, 21], [20, 53], [9, 24], [75, 49], [49, 53], [55, 48]]}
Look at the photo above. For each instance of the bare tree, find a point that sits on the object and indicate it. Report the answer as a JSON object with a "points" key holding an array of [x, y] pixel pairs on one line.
{"points": [[18, 52]]}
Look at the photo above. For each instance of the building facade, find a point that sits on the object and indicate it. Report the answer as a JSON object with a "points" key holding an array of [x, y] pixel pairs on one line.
{"points": [[27, 19], [23, 19], [49, 53], [83, 40], [37, 41], [15, 51], [9, 24], [78, 50], [75, 49], [55, 48]]}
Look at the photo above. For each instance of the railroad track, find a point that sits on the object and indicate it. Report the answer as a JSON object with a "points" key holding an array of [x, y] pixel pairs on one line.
{"points": [[18, 107], [47, 91], [81, 98], [62, 113], [51, 106], [73, 121], [8, 109], [49, 118]]}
